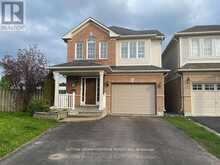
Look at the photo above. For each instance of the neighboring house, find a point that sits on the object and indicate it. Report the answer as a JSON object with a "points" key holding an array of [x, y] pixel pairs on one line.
{"points": [[193, 85], [113, 69]]}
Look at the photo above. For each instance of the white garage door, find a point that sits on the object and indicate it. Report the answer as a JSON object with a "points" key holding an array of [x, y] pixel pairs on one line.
{"points": [[133, 99], [205, 99]]}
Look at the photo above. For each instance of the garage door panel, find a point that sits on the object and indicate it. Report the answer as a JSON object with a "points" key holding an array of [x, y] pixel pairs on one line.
{"points": [[133, 99], [206, 102]]}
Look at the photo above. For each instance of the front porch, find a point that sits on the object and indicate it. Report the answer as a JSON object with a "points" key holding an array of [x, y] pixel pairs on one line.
{"points": [[82, 95]]}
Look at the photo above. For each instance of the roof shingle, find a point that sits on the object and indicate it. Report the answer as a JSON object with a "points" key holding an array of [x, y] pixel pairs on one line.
{"points": [[201, 28], [125, 31]]}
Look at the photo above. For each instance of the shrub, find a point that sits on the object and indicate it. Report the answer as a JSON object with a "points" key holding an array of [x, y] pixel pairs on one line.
{"points": [[38, 106]]}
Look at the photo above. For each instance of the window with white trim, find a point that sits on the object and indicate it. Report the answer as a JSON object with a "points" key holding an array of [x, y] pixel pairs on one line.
{"points": [[209, 87], [217, 47], [103, 50], [141, 49], [195, 47], [208, 47], [124, 49], [133, 49], [91, 47], [197, 87], [79, 50]]}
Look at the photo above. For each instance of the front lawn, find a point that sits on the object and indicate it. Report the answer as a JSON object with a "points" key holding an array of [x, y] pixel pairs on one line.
{"points": [[208, 140], [18, 128]]}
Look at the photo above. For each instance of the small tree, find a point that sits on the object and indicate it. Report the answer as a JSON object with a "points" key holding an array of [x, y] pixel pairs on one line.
{"points": [[4, 83], [26, 71]]}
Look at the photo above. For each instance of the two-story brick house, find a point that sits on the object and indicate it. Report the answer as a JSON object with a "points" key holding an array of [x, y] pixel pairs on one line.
{"points": [[193, 85], [113, 69]]}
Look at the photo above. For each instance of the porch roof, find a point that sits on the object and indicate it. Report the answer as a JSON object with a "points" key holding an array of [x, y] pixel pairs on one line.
{"points": [[200, 67], [91, 66], [80, 64]]}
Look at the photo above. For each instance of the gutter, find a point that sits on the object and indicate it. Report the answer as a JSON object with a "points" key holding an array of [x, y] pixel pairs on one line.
{"points": [[142, 71], [198, 70], [77, 67], [195, 33]]}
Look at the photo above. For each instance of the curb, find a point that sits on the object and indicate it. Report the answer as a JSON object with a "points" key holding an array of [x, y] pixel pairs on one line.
{"points": [[207, 128], [23, 145]]}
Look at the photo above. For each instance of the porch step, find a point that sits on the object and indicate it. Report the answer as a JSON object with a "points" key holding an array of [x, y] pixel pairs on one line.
{"points": [[85, 114]]}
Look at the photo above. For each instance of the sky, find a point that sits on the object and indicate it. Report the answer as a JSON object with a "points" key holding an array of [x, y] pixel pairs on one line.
{"points": [[46, 21]]}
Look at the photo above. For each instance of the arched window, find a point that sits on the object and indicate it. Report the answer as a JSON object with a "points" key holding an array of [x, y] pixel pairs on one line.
{"points": [[91, 49]]}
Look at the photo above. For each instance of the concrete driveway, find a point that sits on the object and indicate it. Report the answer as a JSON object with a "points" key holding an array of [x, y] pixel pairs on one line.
{"points": [[113, 140], [210, 122]]}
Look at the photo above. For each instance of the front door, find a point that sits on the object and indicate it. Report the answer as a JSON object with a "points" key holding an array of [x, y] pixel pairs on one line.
{"points": [[90, 90]]}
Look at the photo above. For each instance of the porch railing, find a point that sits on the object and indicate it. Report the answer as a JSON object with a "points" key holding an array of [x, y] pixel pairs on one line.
{"points": [[66, 101]]}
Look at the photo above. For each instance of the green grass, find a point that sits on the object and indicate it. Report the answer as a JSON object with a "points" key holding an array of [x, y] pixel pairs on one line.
{"points": [[206, 139], [18, 128]]}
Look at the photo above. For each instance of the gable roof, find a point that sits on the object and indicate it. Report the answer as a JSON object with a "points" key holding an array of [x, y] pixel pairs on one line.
{"points": [[115, 31], [125, 31], [90, 19]]}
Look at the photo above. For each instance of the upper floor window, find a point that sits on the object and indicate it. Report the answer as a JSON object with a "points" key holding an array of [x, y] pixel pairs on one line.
{"points": [[79, 50], [217, 47], [141, 49], [124, 49], [91, 51], [195, 47], [103, 50], [133, 49], [207, 47]]}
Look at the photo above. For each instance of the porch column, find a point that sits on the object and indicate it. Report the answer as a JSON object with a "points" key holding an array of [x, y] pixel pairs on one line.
{"points": [[56, 92], [101, 81]]}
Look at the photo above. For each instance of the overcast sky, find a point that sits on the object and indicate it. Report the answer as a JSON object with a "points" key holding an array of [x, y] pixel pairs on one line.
{"points": [[48, 20]]}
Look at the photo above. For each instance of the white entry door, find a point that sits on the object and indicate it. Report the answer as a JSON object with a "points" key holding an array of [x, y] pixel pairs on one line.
{"points": [[206, 99]]}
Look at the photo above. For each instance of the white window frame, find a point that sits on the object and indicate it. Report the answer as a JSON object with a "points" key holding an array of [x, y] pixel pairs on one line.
{"points": [[196, 87], [211, 47], [217, 42], [128, 49], [87, 50], [199, 47], [76, 58], [100, 50]]}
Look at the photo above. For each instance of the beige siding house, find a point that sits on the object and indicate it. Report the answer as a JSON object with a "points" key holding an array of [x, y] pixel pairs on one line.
{"points": [[193, 85], [111, 70]]}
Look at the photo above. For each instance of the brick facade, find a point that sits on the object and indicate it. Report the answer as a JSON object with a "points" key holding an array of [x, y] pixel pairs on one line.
{"points": [[100, 35]]}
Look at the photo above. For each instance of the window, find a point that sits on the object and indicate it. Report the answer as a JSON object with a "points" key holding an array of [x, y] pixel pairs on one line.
{"points": [[79, 50], [62, 91], [133, 49], [124, 50], [103, 49], [195, 47], [217, 47], [207, 47], [218, 86], [209, 87], [197, 86], [91, 47], [141, 49]]}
